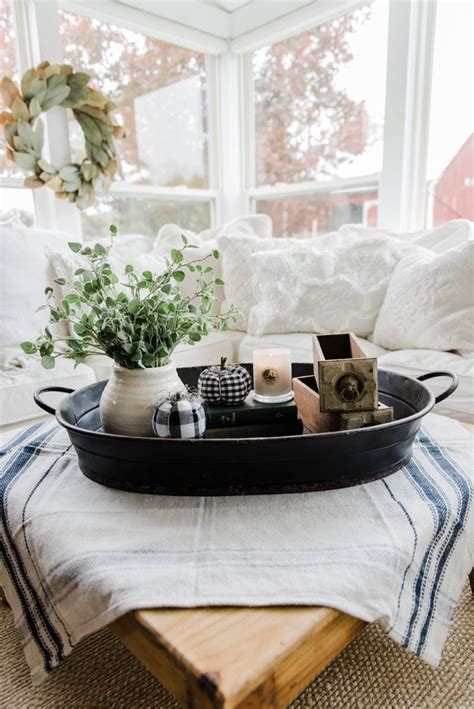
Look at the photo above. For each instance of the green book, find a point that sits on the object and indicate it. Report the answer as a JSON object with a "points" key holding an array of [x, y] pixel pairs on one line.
{"points": [[287, 428], [250, 412]]}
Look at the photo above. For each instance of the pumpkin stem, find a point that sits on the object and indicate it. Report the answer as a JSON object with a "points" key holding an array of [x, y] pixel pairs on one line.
{"points": [[223, 362]]}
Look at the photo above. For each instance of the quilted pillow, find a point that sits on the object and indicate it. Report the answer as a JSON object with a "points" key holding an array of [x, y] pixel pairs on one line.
{"points": [[237, 268], [321, 289], [430, 302]]}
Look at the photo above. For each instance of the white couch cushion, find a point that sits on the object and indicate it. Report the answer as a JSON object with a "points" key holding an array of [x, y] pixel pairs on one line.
{"points": [[24, 274], [458, 405], [17, 387], [409, 362], [429, 302], [328, 286]]}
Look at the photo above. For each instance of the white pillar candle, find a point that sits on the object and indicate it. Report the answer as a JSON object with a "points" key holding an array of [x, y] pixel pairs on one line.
{"points": [[272, 375]]}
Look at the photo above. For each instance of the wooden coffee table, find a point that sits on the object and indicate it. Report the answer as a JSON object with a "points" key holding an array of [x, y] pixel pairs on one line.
{"points": [[238, 657]]}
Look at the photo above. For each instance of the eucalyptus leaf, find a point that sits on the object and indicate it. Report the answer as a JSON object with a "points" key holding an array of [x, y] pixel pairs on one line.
{"points": [[46, 166], [34, 108], [26, 80], [20, 110], [37, 89], [25, 161], [38, 136], [55, 97]]}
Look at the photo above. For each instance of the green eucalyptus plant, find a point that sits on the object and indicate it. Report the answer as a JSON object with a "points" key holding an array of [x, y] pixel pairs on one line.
{"points": [[136, 319]]}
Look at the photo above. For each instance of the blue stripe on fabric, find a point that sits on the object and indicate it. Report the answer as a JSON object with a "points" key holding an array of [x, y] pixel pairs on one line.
{"points": [[26, 540], [439, 510], [19, 464], [446, 466], [410, 521], [19, 438]]}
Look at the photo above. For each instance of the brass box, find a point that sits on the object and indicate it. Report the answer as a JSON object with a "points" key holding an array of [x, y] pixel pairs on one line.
{"points": [[361, 419], [347, 379]]}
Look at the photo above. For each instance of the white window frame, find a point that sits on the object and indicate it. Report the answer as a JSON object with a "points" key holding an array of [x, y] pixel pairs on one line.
{"points": [[36, 24], [232, 190], [401, 184]]}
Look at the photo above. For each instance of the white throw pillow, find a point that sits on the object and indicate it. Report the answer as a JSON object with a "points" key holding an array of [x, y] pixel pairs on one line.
{"points": [[24, 274], [257, 226], [322, 289], [441, 238], [429, 302], [237, 268]]}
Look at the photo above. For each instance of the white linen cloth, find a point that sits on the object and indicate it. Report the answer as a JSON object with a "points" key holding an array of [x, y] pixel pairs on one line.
{"points": [[77, 555]]}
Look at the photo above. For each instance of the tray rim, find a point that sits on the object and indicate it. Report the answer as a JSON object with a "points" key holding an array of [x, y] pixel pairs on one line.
{"points": [[245, 441]]}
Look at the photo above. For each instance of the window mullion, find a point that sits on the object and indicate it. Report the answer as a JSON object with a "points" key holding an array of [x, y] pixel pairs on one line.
{"points": [[408, 87], [230, 146], [214, 137], [41, 26]]}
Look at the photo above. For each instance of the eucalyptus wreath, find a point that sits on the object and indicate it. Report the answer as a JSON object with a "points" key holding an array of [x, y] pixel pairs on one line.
{"points": [[42, 88], [137, 319]]}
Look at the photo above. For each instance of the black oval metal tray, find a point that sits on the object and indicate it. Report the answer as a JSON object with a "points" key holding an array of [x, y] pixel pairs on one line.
{"points": [[234, 466]]}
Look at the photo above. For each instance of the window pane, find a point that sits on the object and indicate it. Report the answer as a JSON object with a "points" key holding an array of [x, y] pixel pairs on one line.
{"points": [[8, 67], [319, 100], [17, 205], [142, 216], [160, 91], [314, 215], [451, 142]]}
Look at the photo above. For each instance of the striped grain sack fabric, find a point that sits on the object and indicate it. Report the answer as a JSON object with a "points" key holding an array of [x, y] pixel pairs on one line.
{"points": [[76, 555]]}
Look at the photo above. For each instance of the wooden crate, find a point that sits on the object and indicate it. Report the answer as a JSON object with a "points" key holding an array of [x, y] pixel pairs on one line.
{"points": [[346, 378], [307, 400]]}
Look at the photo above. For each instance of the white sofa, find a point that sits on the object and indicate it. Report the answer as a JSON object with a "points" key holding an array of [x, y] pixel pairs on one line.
{"points": [[27, 256]]}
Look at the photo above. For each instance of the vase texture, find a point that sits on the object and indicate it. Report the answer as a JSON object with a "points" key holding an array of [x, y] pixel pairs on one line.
{"points": [[131, 396]]}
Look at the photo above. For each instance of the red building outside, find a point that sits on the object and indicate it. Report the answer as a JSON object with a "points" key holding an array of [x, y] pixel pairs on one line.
{"points": [[452, 195]]}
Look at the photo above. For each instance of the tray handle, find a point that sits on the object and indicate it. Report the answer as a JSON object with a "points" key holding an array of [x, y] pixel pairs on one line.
{"points": [[43, 390], [452, 387]]}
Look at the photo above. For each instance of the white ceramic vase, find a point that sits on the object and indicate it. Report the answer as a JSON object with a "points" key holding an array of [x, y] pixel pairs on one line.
{"points": [[131, 396]]}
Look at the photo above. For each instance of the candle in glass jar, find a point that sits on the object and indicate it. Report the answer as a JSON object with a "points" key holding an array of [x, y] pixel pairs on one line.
{"points": [[272, 375]]}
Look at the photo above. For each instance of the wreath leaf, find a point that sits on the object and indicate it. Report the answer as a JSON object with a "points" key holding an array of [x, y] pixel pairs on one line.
{"points": [[9, 91], [19, 109]]}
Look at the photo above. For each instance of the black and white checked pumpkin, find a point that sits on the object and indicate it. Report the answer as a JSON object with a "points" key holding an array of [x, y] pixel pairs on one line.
{"points": [[180, 416], [227, 384]]}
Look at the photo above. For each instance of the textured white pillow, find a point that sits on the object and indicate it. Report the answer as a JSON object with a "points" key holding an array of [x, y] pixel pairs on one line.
{"points": [[429, 302], [321, 289], [24, 274], [237, 268], [169, 237]]}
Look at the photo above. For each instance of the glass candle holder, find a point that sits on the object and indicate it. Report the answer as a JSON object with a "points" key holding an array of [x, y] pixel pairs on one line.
{"points": [[272, 375]]}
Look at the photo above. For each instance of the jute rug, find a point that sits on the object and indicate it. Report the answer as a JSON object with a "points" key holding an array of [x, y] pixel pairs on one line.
{"points": [[372, 672]]}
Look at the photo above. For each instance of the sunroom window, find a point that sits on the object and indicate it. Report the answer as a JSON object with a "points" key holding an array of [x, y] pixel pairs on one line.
{"points": [[161, 97], [450, 172], [319, 118], [16, 202]]}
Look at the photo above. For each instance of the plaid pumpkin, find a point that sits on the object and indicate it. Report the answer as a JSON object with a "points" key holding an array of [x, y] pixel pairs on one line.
{"points": [[180, 417], [227, 384]]}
